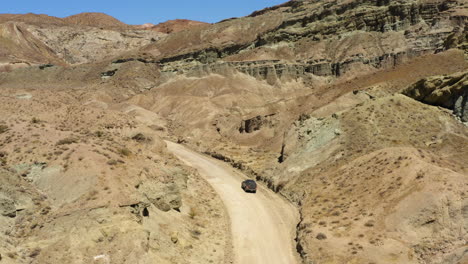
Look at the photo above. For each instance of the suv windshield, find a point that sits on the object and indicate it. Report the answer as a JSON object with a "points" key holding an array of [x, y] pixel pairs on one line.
{"points": [[250, 183]]}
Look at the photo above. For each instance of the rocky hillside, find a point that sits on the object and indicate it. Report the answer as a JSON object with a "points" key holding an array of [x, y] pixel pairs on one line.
{"points": [[100, 20], [352, 110], [173, 26], [447, 91], [324, 38], [32, 39], [88, 37], [371, 171], [372, 185], [79, 182]]}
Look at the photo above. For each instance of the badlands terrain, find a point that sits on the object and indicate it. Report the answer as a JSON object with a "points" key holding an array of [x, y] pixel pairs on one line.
{"points": [[124, 144]]}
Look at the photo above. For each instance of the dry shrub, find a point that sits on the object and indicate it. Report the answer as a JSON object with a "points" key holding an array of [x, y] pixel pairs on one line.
{"points": [[321, 236], [93, 195], [112, 162], [35, 252], [140, 137], [35, 120], [12, 255], [420, 175], [195, 233], [193, 212], [369, 223], [125, 152], [3, 128], [67, 141], [99, 133]]}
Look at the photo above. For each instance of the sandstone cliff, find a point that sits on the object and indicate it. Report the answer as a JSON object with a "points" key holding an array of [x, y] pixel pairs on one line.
{"points": [[333, 38]]}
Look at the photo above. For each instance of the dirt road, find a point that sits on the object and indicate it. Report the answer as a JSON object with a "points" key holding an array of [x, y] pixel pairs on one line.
{"points": [[263, 224]]}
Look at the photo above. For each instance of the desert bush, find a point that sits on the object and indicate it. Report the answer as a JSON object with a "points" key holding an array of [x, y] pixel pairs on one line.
{"points": [[3, 157], [12, 255], [35, 252], [192, 213], [3, 128], [99, 133], [125, 152], [321, 236], [195, 233], [35, 120], [420, 175], [112, 162], [140, 137], [67, 141], [92, 195]]}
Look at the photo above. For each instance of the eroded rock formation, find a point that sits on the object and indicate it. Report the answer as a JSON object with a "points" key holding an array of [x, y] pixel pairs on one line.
{"points": [[447, 91]]}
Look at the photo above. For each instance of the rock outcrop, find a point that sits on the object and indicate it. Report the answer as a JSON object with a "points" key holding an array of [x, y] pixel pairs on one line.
{"points": [[256, 123], [447, 91]]}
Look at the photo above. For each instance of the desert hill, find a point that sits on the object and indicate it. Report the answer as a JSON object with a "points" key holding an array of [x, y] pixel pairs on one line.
{"points": [[92, 19], [354, 111], [95, 20], [88, 37], [173, 26], [32, 19], [31, 39]]}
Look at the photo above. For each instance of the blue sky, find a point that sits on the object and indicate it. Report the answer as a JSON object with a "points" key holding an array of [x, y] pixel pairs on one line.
{"points": [[142, 11]]}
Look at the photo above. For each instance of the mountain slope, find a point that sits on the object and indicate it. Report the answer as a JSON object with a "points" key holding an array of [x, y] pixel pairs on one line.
{"points": [[323, 37], [88, 37], [173, 26], [352, 110], [95, 20]]}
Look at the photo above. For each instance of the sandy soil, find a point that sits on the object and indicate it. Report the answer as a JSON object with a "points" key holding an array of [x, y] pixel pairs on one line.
{"points": [[262, 224]]}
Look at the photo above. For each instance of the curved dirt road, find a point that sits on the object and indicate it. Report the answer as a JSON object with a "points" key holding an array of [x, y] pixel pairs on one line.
{"points": [[263, 224]]}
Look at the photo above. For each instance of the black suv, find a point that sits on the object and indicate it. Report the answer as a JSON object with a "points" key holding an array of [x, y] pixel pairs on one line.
{"points": [[249, 186]]}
